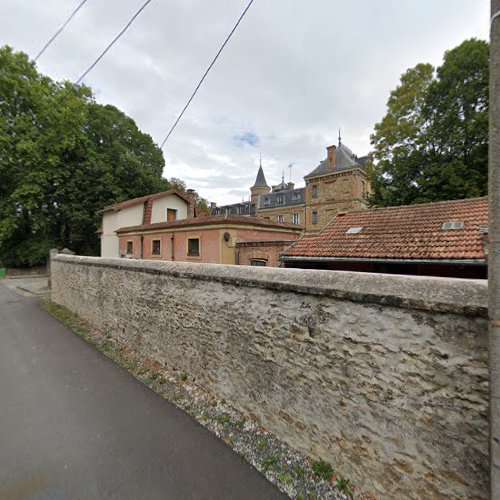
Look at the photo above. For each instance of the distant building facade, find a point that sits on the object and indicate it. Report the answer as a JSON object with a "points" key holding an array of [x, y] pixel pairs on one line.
{"points": [[339, 183]]}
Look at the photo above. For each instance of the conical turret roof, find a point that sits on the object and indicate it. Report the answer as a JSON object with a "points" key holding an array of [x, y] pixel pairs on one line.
{"points": [[260, 181]]}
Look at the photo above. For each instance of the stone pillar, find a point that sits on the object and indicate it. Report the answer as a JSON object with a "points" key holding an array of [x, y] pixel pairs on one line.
{"points": [[52, 253]]}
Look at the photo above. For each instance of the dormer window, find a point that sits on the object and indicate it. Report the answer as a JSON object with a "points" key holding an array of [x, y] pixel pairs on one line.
{"points": [[281, 199], [266, 200]]}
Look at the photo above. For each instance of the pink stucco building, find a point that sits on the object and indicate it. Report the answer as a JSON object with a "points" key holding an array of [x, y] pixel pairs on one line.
{"points": [[211, 239]]}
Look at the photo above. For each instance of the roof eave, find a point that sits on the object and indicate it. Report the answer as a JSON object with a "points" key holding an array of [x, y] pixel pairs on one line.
{"points": [[348, 169], [384, 260]]}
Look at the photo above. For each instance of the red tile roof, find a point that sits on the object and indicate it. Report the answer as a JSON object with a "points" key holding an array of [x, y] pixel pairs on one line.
{"points": [[143, 199], [212, 220], [405, 232]]}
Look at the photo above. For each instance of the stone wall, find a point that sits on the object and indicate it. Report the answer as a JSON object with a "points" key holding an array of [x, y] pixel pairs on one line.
{"points": [[384, 376], [287, 212]]}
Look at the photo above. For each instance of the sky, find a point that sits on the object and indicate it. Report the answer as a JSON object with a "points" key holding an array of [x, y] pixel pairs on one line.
{"points": [[292, 74]]}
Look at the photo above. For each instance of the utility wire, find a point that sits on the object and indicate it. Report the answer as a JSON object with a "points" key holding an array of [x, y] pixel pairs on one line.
{"points": [[59, 31], [89, 69], [205, 74]]}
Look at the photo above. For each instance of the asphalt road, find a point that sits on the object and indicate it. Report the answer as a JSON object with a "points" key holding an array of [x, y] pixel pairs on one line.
{"points": [[73, 425]]}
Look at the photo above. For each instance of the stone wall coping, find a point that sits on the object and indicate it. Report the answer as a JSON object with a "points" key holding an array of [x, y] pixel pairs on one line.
{"points": [[449, 295]]}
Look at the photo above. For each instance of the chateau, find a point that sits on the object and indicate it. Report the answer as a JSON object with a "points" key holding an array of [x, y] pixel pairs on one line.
{"points": [[338, 184]]}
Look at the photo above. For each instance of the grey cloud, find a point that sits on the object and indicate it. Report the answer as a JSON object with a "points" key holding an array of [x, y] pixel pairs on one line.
{"points": [[294, 71]]}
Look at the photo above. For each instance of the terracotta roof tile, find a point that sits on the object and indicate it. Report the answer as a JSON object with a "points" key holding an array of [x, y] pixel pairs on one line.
{"points": [[405, 232], [211, 220]]}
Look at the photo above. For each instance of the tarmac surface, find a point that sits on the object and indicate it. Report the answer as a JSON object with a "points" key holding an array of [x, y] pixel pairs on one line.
{"points": [[75, 425]]}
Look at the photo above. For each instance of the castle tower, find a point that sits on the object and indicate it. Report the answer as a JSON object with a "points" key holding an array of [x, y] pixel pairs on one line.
{"points": [[338, 184], [260, 187]]}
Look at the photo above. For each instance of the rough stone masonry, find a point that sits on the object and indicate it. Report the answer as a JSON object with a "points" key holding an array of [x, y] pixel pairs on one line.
{"points": [[384, 376]]}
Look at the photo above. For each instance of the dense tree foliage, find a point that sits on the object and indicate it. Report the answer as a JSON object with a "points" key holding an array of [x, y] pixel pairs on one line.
{"points": [[433, 142], [63, 157]]}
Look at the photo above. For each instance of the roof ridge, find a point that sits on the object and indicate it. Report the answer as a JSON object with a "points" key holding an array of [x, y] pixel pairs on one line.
{"points": [[144, 199], [433, 203], [236, 219]]}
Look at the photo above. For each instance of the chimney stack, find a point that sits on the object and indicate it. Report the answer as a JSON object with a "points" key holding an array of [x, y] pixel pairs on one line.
{"points": [[330, 155], [213, 205], [191, 196]]}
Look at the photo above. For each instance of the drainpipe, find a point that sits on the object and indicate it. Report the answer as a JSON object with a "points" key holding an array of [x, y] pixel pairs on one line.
{"points": [[172, 242], [494, 249], [142, 247]]}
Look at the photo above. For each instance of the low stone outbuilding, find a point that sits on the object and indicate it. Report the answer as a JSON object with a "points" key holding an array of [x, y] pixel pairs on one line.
{"points": [[447, 238]]}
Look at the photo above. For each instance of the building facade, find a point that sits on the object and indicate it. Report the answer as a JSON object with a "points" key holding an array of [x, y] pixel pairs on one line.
{"points": [[158, 207], [339, 183], [213, 239]]}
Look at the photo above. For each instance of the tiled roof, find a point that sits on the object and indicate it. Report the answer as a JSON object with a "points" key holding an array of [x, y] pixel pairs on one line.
{"points": [[345, 159], [143, 199], [211, 220], [405, 232]]}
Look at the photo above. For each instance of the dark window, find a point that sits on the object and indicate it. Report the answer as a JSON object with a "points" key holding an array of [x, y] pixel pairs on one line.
{"points": [[281, 199], [315, 217], [258, 262], [156, 247], [296, 218], [281, 218], [314, 191], [130, 247], [194, 247]]}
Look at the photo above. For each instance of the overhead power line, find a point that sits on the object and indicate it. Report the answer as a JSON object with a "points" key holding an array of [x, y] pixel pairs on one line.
{"points": [[117, 37], [60, 30], [206, 73]]}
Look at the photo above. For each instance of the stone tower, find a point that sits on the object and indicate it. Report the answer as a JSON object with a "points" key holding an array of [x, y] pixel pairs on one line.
{"points": [[338, 184]]}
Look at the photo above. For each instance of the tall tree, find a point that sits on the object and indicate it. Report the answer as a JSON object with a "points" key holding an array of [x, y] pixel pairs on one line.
{"points": [[62, 158], [432, 143]]}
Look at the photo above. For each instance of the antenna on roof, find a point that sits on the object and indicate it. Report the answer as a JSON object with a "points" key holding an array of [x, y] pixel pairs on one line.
{"points": [[290, 165], [340, 139], [260, 160]]}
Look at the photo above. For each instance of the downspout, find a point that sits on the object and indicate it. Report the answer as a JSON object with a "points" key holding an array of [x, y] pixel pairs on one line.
{"points": [[494, 250], [142, 247], [172, 246]]}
